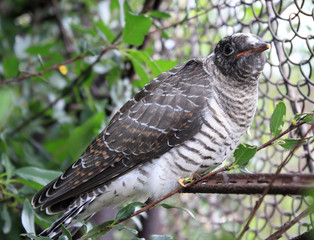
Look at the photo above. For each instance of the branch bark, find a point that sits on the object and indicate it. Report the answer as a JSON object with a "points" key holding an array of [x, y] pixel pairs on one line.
{"points": [[243, 183]]}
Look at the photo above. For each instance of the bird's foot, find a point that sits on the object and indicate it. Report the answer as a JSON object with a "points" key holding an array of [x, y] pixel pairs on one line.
{"points": [[184, 181]]}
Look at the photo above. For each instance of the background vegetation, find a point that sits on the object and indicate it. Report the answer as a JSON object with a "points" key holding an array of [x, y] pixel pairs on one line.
{"points": [[66, 67]]}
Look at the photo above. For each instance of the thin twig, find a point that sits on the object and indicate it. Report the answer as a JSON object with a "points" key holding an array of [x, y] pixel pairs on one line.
{"points": [[54, 67], [289, 129], [287, 225], [261, 199]]}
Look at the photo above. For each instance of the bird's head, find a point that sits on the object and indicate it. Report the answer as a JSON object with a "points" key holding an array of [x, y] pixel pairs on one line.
{"points": [[241, 56]]}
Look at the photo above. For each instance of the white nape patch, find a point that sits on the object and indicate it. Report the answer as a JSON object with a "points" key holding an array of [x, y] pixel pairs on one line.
{"points": [[251, 39]]}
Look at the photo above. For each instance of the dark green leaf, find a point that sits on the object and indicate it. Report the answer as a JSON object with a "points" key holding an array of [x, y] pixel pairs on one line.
{"points": [[243, 154], [66, 232], [83, 135], [277, 118], [31, 184], [128, 210], [289, 143], [309, 118], [158, 14], [106, 227], [160, 237], [167, 206], [5, 215], [135, 29], [37, 175], [5, 161], [10, 66], [28, 217], [6, 106]]}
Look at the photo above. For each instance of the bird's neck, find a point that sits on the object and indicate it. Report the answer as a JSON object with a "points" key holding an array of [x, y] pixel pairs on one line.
{"points": [[238, 99]]}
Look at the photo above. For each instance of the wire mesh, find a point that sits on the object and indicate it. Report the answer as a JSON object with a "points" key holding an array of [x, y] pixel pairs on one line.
{"points": [[287, 77]]}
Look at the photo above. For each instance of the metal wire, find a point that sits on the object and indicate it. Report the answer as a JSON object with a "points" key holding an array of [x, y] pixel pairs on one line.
{"points": [[287, 77]]}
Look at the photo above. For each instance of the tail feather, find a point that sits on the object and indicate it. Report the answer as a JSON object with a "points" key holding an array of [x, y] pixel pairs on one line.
{"points": [[70, 220]]}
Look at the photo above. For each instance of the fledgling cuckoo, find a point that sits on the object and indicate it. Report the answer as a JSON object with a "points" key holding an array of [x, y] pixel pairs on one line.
{"points": [[184, 121]]}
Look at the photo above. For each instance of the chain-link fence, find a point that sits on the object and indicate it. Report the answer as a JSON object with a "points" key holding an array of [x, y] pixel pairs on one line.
{"points": [[287, 77]]}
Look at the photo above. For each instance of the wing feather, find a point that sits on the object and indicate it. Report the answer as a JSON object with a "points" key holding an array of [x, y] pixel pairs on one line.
{"points": [[165, 113]]}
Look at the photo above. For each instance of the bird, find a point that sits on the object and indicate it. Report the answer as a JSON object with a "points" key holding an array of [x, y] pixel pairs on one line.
{"points": [[186, 120]]}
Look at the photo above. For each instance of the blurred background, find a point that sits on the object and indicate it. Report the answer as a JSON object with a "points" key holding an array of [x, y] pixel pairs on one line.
{"points": [[67, 66]]}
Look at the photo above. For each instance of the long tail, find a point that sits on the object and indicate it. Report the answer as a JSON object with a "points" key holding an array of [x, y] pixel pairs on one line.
{"points": [[69, 219]]}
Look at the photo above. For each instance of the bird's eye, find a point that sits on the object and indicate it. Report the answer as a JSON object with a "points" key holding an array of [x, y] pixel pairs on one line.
{"points": [[228, 50]]}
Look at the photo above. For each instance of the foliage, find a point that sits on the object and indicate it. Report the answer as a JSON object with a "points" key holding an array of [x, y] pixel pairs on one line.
{"points": [[60, 83]]}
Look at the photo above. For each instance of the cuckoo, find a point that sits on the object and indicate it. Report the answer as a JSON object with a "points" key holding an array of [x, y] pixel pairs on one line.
{"points": [[184, 121]]}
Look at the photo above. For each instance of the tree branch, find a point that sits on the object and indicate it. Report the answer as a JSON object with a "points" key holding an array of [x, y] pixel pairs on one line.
{"points": [[243, 183]]}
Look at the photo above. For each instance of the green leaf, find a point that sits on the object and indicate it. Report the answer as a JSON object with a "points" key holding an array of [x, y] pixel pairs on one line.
{"points": [[167, 206], [6, 106], [139, 69], [135, 29], [277, 118], [289, 143], [128, 210], [166, 65], [105, 30], [10, 66], [28, 217], [158, 14], [37, 175], [309, 118], [243, 154], [164, 34], [29, 183], [143, 57], [160, 237], [5, 215], [121, 227], [92, 233], [9, 167], [83, 135], [66, 232], [41, 49]]}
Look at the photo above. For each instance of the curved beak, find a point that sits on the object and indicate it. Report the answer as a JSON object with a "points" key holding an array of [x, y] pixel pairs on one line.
{"points": [[257, 48]]}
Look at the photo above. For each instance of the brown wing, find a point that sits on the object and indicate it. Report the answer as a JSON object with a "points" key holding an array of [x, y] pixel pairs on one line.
{"points": [[165, 113]]}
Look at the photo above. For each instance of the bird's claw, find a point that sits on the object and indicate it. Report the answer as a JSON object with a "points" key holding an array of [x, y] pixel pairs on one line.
{"points": [[181, 182]]}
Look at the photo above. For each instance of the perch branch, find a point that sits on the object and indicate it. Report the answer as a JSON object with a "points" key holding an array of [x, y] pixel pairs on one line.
{"points": [[256, 183]]}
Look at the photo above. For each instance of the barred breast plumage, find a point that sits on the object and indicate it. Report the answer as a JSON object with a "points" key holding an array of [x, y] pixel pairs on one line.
{"points": [[184, 121]]}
